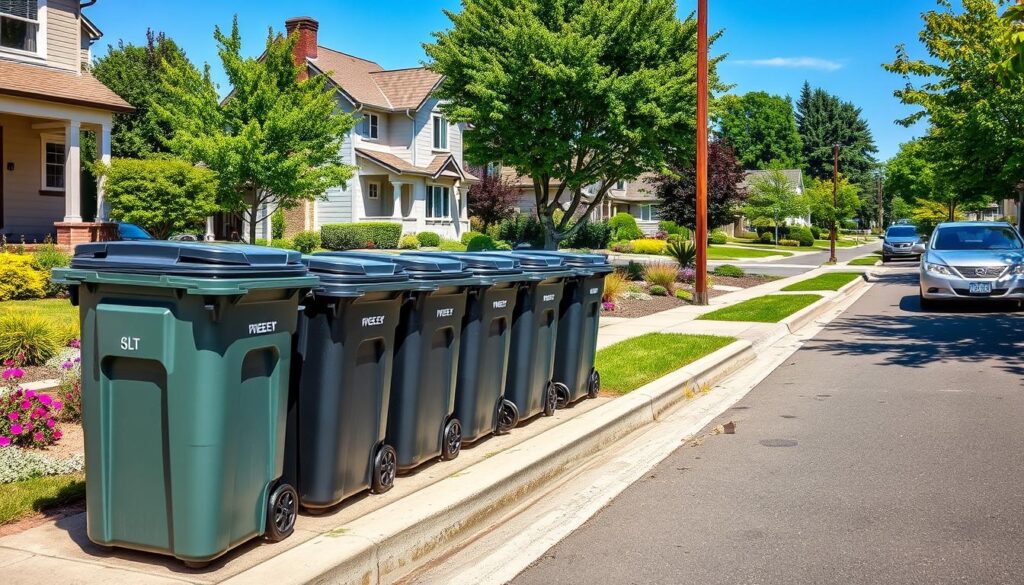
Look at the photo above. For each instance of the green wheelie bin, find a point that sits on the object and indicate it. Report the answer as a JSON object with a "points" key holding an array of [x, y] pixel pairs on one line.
{"points": [[186, 349], [338, 406], [578, 322], [529, 384], [421, 425], [480, 405]]}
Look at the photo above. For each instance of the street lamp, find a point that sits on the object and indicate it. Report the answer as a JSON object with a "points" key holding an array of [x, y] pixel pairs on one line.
{"points": [[700, 296]]}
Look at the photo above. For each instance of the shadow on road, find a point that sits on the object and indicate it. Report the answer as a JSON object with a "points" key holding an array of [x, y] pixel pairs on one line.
{"points": [[962, 332]]}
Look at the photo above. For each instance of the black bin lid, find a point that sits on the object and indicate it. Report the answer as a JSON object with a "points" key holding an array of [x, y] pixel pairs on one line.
{"points": [[479, 264], [532, 261], [198, 259], [418, 267], [595, 261], [353, 270]]}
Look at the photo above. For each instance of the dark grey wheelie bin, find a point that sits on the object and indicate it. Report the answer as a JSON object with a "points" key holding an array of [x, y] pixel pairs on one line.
{"points": [[186, 350], [342, 380], [578, 322], [529, 384], [420, 422], [486, 337]]}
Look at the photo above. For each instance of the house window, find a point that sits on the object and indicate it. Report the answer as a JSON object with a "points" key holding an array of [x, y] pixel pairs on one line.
{"points": [[53, 165], [620, 185], [440, 133], [438, 204], [647, 213], [493, 169], [19, 24], [371, 125], [373, 190]]}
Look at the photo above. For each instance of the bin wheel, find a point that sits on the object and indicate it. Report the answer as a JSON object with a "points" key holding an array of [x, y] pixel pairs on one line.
{"points": [[508, 416], [561, 395], [452, 443], [385, 467], [550, 399], [594, 384], [282, 508], [197, 565]]}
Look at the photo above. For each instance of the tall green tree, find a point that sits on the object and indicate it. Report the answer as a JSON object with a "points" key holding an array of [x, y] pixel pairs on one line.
{"points": [[1014, 62], [134, 73], [828, 212], [761, 128], [975, 140], [571, 93], [274, 142], [772, 199], [913, 176], [825, 120]]}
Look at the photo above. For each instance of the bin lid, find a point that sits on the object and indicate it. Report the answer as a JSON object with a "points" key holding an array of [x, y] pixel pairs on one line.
{"points": [[420, 267], [479, 264], [595, 262], [353, 270], [197, 259], [532, 261]]}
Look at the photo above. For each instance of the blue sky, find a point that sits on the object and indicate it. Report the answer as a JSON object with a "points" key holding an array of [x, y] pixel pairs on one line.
{"points": [[773, 46]]}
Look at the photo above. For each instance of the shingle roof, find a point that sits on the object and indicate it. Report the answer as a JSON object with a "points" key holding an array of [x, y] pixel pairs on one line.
{"points": [[54, 85], [795, 177], [639, 189], [437, 167], [366, 82]]}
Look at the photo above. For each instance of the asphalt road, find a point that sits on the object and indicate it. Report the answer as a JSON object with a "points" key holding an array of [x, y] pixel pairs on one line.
{"points": [[889, 449]]}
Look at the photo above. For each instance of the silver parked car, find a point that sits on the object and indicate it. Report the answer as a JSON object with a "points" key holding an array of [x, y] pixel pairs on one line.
{"points": [[899, 242], [972, 260]]}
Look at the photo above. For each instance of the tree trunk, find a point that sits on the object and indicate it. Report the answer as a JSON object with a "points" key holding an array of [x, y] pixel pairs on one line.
{"points": [[253, 212]]}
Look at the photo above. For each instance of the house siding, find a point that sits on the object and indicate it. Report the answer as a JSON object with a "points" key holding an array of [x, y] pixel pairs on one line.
{"points": [[63, 34], [399, 137], [424, 147], [26, 212]]}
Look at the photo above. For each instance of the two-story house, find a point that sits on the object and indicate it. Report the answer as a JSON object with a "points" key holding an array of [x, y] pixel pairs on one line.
{"points": [[46, 101], [408, 155]]}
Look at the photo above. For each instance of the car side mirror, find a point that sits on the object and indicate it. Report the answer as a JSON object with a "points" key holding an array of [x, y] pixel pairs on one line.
{"points": [[919, 249]]}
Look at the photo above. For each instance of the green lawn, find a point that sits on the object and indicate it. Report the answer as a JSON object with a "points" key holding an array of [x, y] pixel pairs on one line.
{"points": [[727, 253], [839, 244], [61, 312], [864, 261], [22, 498], [628, 365], [767, 309], [827, 281]]}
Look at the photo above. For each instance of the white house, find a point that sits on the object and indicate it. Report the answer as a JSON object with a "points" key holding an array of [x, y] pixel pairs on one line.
{"points": [[409, 157], [46, 101]]}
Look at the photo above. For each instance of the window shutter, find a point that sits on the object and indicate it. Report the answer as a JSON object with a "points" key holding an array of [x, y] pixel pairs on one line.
{"points": [[21, 8]]}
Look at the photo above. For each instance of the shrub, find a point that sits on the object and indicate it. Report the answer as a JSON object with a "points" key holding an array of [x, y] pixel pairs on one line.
{"points": [[624, 247], [816, 232], [669, 227], [306, 242], [30, 335], [634, 271], [684, 295], [369, 234], [663, 275], [69, 392], [452, 246], [624, 227], [594, 235], [522, 229], [481, 243], [635, 295], [718, 238], [802, 235], [260, 242], [19, 465], [683, 251], [19, 279], [767, 238], [409, 242], [428, 239], [45, 259], [28, 419], [467, 237], [277, 225], [789, 243], [283, 243], [687, 275], [500, 245], [729, 270], [661, 235], [648, 246], [658, 291], [614, 286], [747, 235]]}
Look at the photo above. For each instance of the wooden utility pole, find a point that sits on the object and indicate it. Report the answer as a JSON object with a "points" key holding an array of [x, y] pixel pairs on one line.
{"points": [[834, 232], [701, 293]]}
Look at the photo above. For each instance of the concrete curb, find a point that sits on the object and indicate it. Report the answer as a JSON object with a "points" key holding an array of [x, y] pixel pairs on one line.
{"points": [[390, 543]]}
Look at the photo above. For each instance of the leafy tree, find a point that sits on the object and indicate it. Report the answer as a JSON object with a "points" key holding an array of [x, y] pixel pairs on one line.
{"points": [[823, 121], [900, 209], [133, 72], [582, 92], [928, 214], [677, 189], [164, 195], [975, 142], [1014, 63], [761, 128], [912, 175], [773, 198], [493, 199], [828, 213], [275, 142]]}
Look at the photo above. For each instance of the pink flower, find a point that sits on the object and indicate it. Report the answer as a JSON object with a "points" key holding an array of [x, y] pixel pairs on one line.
{"points": [[57, 435], [75, 343], [13, 416], [20, 357], [38, 437], [57, 405], [26, 404], [45, 399], [13, 373], [30, 394], [50, 423], [9, 363], [78, 360], [16, 429], [67, 365], [4, 441]]}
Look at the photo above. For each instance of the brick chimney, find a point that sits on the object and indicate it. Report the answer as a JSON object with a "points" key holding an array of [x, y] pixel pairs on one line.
{"points": [[305, 27]]}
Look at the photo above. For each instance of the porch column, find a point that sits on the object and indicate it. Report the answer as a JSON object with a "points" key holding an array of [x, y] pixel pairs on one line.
{"points": [[102, 212], [209, 236], [396, 195], [72, 172]]}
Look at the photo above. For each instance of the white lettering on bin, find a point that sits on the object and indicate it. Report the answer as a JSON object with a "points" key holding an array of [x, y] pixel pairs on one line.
{"points": [[372, 321], [260, 328], [500, 304], [445, 312], [549, 298], [593, 291], [130, 343]]}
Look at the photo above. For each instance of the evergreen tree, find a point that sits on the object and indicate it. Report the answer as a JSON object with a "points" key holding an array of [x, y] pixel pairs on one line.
{"points": [[824, 120]]}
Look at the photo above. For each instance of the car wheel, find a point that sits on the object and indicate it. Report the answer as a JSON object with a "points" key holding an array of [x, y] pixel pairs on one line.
{"points": [[886, 259], [928, 304]]}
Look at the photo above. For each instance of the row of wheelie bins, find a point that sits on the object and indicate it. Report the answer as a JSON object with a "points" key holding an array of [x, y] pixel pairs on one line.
{"points": [[223, 386]]}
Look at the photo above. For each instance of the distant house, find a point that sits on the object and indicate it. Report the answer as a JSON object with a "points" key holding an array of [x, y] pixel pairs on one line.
{"points": [[795, 178], [408, 155], [46, 101]]}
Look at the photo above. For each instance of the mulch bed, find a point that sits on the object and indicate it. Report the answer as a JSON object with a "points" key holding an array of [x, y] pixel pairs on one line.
{"points": [[37, 373], [632, 309], [748, 281]]}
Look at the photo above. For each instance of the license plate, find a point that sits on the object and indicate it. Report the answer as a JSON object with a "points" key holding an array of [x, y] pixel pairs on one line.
{"points": [[978, 288]]}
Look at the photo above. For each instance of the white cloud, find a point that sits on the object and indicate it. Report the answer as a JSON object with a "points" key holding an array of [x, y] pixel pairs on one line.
{"points": [[793, 63]]}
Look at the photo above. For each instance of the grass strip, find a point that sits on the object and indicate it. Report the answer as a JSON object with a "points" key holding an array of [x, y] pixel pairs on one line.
{"points": [[767, 309], [827, 281], [628, 365], [736, 253], [22, 498], [864, 261]]}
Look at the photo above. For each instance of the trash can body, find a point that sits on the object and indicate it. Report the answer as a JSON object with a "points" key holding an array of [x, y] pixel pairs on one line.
{"points": [[343, 368], [185, 363], [420, 425], [578, 324]]}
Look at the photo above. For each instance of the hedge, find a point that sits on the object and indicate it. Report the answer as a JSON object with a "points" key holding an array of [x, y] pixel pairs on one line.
{"points": [[370, 234]]}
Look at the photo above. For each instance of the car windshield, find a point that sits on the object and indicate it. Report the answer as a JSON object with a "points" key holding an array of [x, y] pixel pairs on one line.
{"points": [[976, 237], [901, 232], [129, 231]]}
